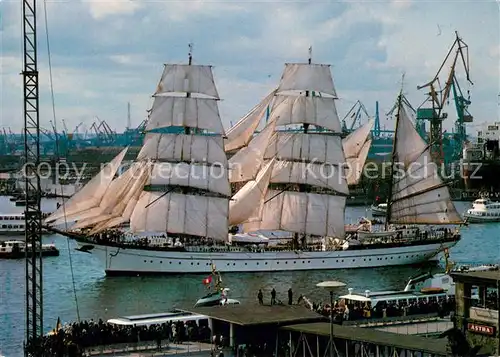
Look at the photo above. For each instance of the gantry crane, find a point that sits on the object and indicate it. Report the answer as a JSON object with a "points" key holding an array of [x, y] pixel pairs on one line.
{"points": [[32, 213], [355, 114], [437, 97]]}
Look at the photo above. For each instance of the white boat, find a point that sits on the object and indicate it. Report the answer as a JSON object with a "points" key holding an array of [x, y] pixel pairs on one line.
{"points": [[16, 249], [483, 210], [14, 224], [190, 215], [379, 210], [423, 288]]}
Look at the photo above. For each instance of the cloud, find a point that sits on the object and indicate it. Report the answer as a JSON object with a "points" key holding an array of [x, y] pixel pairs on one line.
{"points": [[100, 9], [107, 53]]}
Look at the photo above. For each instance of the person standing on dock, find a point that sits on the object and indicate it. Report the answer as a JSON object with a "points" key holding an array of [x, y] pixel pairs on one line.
{"points": [[260, 296], [273, 297], [290, 296]]}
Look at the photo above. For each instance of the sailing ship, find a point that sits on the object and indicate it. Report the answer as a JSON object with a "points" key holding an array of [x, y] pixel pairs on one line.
{"points": [[291, 180]]}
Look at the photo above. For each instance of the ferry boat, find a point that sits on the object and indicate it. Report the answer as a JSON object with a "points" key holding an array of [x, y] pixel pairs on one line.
{"points": [[14, 223], [422, 289], [483, 210], [379, 210], [15, 249], [180, 223]]}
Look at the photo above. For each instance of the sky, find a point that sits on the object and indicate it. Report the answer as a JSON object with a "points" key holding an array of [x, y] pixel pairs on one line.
{"points": [[106, 53]]}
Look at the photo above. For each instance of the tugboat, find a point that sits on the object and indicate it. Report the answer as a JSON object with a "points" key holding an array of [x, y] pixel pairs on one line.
{"points": [[16, 249], [218, 294]]}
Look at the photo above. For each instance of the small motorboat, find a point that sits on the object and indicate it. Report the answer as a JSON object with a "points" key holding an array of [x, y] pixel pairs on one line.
{"points": [[217, 295]]}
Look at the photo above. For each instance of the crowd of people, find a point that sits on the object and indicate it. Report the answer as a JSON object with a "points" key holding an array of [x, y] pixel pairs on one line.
{"points": [[74, 339], [355, 310]]}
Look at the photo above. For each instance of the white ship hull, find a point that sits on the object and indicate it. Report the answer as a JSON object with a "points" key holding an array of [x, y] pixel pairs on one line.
{"points": [[480, 219], [120, 261]]}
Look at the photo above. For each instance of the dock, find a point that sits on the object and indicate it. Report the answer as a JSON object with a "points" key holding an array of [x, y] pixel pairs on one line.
{"points": [[296, 331], [429, 328], [151, 349]]}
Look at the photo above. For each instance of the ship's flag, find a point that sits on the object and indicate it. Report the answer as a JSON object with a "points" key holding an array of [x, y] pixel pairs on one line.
{"points": [[207, 280], [58, 327]]}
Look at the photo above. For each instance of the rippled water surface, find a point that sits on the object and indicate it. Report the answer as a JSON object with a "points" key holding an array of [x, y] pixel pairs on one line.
{"points": [[100, 297]]}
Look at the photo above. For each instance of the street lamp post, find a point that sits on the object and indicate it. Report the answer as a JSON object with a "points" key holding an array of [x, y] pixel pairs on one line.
{"points": [[330, 286]]}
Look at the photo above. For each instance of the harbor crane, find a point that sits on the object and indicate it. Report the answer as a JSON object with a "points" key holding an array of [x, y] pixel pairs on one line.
{"points": [[355, 115], [432, 108]]}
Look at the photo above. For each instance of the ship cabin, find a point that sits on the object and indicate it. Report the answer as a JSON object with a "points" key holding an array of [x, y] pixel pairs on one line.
{"points": [[485, 203]]}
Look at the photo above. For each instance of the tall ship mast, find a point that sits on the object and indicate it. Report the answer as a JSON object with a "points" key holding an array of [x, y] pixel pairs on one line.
{"points": [[307, 186], [417, 195], [291, 176]]}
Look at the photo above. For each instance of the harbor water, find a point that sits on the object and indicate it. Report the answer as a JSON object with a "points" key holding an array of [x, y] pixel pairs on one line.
{"points": [[88, 293]]}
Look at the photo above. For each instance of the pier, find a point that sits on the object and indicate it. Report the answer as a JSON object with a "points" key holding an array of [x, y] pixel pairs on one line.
{"points": [[292, 331]]}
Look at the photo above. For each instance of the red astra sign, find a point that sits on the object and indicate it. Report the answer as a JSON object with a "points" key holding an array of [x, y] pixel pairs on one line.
{"points": [[483, 329]]}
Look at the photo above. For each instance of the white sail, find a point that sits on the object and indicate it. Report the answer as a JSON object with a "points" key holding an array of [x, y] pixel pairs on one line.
{"points": [[211, 178], [188, 189], [181, 78], [124, 217], [120, 192], [356, 164], [319, 111], [200, 113], [309, 185], [183, 148], [320, 175], [301, 212], [310, 77], [91, 194], [243, 203], [245, 164], [240, 134], [356, 147], [313, 147], [419, 196], [353, 143], [202, 216]]}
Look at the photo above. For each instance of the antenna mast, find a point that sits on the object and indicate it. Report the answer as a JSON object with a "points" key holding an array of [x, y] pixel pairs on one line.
{"points": [[32, 213], [190, 54], [187, 130], [129, 121]]}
